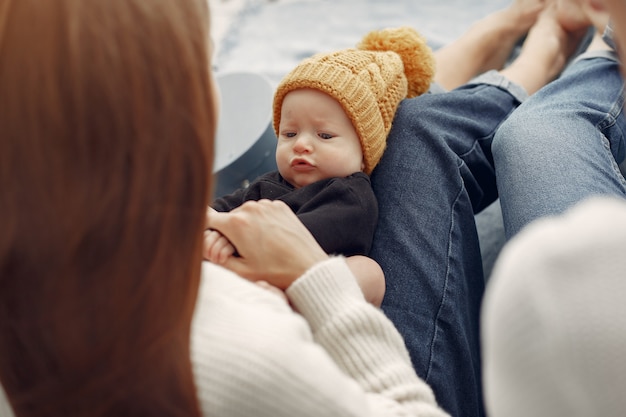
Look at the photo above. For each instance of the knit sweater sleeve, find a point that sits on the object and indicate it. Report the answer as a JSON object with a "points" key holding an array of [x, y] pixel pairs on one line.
{"points": [[361, 341], [253, 355]]}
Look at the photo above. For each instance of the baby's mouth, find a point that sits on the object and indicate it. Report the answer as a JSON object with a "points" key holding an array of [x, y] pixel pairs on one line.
{"points": [[301, 164]]}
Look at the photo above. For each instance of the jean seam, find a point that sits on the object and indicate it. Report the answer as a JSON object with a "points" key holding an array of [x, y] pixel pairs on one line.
{"points": [[477, 144], [613, 113], [445, 286], [608, 121], [618, 173]]}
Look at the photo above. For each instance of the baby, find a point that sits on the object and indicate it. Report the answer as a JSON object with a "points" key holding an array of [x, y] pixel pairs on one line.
{"points": [[332, 115]]}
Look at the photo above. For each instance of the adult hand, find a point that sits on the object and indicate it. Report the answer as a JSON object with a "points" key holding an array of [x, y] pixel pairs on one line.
{"points": [[273, 245], [217, 248]]}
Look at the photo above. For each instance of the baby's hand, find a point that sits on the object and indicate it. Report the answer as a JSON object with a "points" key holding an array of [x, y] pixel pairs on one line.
{"points": [[217, 248], [370, 277]]}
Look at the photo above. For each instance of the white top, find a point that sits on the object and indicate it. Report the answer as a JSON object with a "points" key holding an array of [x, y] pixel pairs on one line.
{"points": [[253, 356], [554, 317]]}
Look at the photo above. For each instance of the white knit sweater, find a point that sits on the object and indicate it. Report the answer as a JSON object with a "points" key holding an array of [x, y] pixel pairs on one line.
{"points": [[554, 317], [253, 356]]}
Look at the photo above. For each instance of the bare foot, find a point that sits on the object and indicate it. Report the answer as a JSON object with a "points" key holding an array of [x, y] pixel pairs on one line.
{"points": [[574, 15], [571, 15], [487, 44], [524, 13], [545, 52], [514, 22]]}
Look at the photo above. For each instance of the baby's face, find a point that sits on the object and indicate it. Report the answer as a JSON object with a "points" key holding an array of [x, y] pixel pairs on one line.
{"points": [[316, 139]]}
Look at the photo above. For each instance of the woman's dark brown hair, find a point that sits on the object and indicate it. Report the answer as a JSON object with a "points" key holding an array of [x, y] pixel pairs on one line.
{"points": [[106, 148]]}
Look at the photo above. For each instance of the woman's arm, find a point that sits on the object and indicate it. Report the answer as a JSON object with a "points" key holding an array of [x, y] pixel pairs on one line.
{"points": [[361, 341], [354, 341]]}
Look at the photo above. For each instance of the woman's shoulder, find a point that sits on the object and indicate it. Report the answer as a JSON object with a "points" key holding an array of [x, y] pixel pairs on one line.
{"points": [[243, 341], [231, 311], [223, 289]]}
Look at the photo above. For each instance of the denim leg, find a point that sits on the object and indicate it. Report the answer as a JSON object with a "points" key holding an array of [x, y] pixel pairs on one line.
{"points": [[435, 174], [563, 144]]}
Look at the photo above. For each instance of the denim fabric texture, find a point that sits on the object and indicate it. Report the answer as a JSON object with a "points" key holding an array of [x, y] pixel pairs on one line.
{"points": [[435, 174], [563, 144]]}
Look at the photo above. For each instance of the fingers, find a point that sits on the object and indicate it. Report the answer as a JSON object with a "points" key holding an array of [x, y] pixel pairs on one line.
{"points": [[217, 248], [271, 241]]}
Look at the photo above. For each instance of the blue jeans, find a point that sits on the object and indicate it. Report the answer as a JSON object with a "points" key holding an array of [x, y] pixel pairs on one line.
{"points": [[563, 144], [436, 172]]}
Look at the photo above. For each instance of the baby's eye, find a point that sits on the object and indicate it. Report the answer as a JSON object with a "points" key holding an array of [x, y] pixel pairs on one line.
{"points": [[289, 134], [325, 136]]}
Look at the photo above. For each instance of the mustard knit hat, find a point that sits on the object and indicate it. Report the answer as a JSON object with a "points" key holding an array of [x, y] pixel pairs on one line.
{"points": [[369, 82]]}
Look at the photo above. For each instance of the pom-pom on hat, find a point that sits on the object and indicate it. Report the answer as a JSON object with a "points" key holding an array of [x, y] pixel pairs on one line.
{"points": [[369, 82]]}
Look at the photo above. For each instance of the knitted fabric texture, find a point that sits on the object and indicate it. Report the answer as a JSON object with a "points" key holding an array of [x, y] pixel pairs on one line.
{"points": [[553, 322], [368, 81]]}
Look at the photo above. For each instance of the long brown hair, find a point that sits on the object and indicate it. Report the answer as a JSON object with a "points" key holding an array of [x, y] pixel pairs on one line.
{"points": [[106, 148]]}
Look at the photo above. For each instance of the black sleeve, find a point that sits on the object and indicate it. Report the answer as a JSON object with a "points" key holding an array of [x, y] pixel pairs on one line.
{"points": [[230, 201], [269, 185]]}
